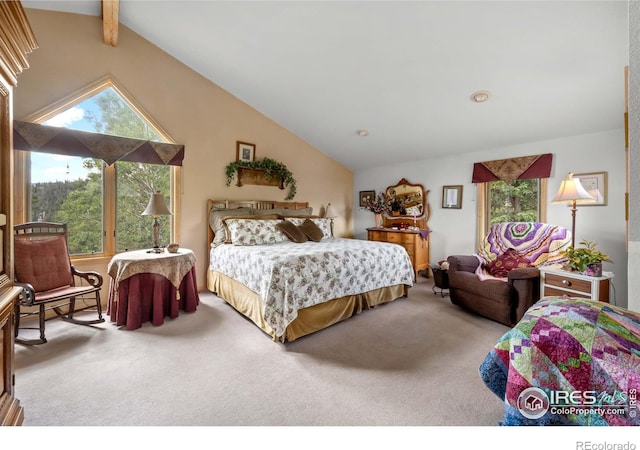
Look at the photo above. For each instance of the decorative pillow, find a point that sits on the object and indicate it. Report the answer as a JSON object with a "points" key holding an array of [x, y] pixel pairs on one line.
{"points": [[216, 223], [321, 222], [254, 231], [292, 232], [311, 230], [44, 264], [503, 264]]}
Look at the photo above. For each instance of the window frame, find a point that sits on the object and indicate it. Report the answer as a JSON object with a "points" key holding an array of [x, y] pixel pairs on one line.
{"points": [[483, 207], [22, 168]]}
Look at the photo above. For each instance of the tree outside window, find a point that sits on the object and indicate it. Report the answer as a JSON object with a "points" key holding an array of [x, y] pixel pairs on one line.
{"points": [[73, 189], [517, 201]]}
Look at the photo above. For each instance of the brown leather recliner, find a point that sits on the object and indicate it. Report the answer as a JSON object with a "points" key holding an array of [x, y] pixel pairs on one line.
{"points": [[506, 300]]}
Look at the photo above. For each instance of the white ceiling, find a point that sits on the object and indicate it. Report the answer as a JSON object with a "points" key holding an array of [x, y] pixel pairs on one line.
{"points": [[404, 71]]}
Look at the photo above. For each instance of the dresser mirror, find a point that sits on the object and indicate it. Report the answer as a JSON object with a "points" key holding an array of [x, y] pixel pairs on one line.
{"points": [[411, 201]]}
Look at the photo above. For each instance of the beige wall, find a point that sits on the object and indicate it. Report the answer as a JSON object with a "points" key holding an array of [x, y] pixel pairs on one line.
{"points": [[194, 111]]}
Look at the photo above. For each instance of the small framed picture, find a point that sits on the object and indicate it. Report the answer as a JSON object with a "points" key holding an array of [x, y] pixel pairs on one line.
{"points": [[366, 196], [452, 197], [245, 151], [595, 184]]}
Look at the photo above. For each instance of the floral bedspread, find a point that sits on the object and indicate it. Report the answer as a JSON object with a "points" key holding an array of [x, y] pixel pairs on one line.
{"points": [[568, 361], [291, 276]]}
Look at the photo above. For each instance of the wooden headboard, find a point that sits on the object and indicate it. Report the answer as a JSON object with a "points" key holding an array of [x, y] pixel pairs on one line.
{"points": [[255, 204]]}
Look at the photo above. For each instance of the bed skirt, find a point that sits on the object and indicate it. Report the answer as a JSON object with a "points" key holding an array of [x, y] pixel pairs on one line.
{"points": [[309, 320]]}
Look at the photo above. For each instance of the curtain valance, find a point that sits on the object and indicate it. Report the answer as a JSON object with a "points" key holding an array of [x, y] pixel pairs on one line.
{"points": [[64, 141], [508, 170]]}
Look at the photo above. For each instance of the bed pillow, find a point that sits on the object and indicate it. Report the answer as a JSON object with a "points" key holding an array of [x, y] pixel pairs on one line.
{"points": [[284, 212], [321, 222], [503, 264], [225, 220], [292, 232], [254, 231], [217, 225], [325, 225], [297, 212], [311, 230]]}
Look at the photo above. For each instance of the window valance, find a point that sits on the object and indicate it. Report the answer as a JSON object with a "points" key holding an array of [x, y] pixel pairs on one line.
{"points": [[64, 141], [508, 170]]}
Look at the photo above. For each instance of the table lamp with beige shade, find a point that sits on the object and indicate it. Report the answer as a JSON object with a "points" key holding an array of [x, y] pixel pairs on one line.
{"points": [[156, 207]]}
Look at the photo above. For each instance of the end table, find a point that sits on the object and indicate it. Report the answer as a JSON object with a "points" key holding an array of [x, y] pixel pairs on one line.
{"points": [[440, 280]]}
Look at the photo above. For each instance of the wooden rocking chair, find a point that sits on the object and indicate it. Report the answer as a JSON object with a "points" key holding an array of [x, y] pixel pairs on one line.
{"points": [[43, 268]]}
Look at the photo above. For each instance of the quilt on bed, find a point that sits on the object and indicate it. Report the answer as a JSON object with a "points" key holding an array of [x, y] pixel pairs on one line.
{"points": [[291, 276], [568, 361]]}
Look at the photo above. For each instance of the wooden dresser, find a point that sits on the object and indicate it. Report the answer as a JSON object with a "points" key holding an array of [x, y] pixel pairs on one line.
{"points": [[11, 413], [417, 246]]}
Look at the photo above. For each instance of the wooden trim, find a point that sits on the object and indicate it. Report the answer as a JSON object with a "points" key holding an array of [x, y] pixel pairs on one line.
{"points": [[626, 155], [482, 216], [16, 40], [6, 181]]}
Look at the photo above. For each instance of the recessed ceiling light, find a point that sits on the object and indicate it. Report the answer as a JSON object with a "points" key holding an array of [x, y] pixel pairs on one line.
{"points": [[480, 96], [362, 133]]}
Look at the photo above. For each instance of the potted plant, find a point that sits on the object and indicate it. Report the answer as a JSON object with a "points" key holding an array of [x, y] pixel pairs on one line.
{"points": [[587, 259]]}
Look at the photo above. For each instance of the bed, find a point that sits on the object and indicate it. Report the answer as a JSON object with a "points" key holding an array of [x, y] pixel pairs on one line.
{"points": [[568, 361], [292, 289]]}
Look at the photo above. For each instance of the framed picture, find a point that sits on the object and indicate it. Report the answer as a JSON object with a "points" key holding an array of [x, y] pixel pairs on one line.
{"points": [[595, 184], [245, 151], [366, 196], [452, 197]]}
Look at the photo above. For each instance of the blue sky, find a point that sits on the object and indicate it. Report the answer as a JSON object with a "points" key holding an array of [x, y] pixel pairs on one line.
{"points": [[49, 168]]}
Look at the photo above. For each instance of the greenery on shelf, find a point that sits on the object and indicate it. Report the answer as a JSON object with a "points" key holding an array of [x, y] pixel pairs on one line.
{"points": [[580, 258], [272, 169]]}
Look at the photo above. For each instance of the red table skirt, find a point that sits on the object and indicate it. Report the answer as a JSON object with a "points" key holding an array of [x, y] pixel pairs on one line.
{"points": [[149, 297]]}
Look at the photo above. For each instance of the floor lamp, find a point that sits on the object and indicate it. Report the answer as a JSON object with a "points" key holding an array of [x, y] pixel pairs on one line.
{"points": [[156, 207], [572, 191]]}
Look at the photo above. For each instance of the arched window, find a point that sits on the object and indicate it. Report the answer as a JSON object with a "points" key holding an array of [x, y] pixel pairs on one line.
{"points": [[101, 203]]}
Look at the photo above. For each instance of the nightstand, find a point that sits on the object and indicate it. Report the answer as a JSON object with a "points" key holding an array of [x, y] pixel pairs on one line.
{"points": [[562, 282]]}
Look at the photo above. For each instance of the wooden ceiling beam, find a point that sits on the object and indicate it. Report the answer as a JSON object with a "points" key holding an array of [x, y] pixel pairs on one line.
{"points": [[110, 12]]}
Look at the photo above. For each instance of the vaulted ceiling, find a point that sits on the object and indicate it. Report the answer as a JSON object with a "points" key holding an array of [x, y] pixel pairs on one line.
{"points": [[402, 71]]}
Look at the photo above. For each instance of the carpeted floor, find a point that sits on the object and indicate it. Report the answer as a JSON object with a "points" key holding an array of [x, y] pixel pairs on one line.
{"points": [[411, 362]]}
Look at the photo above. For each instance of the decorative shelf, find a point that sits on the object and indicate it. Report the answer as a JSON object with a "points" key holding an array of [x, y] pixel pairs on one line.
{"points": [[257, 177]]}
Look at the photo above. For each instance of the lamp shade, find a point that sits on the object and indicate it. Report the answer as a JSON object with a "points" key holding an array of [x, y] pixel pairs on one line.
{"points": [[571, 189], [157, 206], [327, 211]]}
